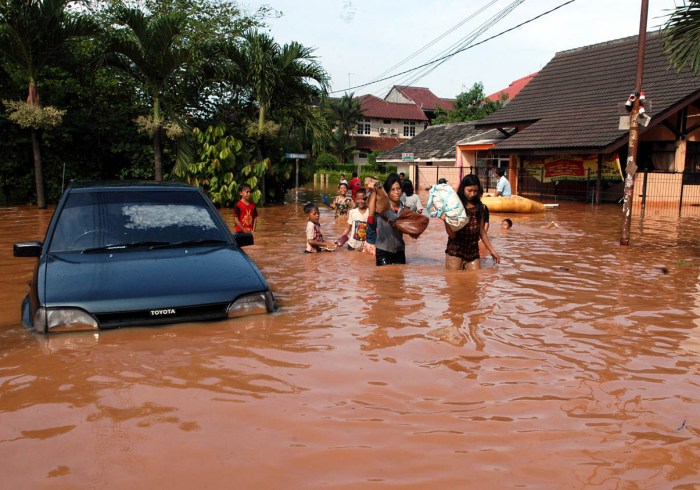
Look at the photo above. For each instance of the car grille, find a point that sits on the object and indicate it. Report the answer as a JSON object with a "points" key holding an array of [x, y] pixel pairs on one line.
{"points": [[145, 317]]}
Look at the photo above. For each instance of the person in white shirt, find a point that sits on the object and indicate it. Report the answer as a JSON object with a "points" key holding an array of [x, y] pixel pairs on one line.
{"points": [[356, 229], [503, 186], [409, 198]]}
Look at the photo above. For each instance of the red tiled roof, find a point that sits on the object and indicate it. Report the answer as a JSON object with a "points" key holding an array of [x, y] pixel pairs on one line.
{"points": [[373, 143], [425, 99], [513, 89], [375, 107]]}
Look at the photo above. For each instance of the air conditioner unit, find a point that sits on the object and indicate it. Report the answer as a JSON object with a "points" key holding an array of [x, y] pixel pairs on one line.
{"points": [[393, 131], [382, 130]]}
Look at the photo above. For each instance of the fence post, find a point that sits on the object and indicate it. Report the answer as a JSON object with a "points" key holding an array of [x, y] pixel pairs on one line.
{"points": [[644, 190], [680, 201], [542, 182]]}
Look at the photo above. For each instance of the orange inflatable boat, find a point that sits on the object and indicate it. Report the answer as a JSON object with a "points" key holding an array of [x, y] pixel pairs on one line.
{"points": [[512, 204]]}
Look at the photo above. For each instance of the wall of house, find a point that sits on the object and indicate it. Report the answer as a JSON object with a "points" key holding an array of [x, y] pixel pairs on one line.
{"points": [[465, 158], [398, 97], [360, 158], [394, 128]]}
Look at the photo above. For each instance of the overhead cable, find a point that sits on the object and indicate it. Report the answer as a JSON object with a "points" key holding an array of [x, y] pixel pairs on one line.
{"points": [[456, 52]]}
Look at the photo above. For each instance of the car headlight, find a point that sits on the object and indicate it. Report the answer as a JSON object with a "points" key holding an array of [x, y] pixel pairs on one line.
{"points": [[63, 320], [251, 304]]}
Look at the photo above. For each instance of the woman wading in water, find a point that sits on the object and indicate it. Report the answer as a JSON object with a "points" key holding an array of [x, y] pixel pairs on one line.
{"points": [[463, 245]]}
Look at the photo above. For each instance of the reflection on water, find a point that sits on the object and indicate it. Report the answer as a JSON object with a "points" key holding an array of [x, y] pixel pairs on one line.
{"points": [[574, 363]]}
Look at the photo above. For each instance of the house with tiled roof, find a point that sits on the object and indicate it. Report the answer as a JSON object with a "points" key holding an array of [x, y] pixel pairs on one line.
{"points": [[570, 128], [422, 97], [386, 124], [445, 151]]}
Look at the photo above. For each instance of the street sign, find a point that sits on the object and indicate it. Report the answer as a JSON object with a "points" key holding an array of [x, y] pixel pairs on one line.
{"points": [[407, 157], [296, 155]]}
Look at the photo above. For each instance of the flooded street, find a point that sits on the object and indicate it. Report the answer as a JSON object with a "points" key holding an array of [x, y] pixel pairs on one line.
{"points": [[575, 363]]}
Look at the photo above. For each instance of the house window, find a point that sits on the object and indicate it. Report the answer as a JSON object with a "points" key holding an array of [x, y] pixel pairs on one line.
{"points": [[363, 126], [386, 121], [409, 128]]}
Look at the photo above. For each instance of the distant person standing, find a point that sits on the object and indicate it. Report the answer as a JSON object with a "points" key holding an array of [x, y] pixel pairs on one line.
{"points": [[343, 180], [503, 186], [355, 184], [245, 214], [409, 198]]}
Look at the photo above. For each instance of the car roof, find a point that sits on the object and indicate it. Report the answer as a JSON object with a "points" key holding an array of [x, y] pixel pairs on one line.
{"points": [[127, 184]]}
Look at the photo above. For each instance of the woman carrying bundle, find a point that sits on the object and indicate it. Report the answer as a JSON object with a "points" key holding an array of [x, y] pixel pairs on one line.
{"points": [[463, 245]]}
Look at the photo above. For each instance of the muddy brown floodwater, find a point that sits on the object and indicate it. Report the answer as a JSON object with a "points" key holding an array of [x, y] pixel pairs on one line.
{"points": [[573, 364]]}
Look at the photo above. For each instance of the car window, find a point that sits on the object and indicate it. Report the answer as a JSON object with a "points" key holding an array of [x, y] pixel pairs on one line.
{"points": [[99, 219]]}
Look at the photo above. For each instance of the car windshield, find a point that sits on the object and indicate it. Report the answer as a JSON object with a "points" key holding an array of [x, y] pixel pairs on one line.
{"points": [[93, 220]]}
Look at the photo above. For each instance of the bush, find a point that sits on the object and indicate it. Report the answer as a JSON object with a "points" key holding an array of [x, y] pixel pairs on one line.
{"points": [[327, 160]]}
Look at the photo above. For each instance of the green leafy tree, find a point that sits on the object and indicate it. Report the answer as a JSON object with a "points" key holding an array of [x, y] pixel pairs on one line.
{"points": [[273, 74], [470, 106], [343, 114], [220, 167], [152, 49], [34, 34], [278, 83], [681, 35]]}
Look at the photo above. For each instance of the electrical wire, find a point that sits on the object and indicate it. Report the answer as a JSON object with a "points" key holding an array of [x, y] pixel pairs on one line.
{"points": [[464, 42], [431, 43], [456, 52]]}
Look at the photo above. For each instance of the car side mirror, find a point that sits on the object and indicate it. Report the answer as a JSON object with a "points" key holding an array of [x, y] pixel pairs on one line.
{"points": [[27, 249], [244, 239]]}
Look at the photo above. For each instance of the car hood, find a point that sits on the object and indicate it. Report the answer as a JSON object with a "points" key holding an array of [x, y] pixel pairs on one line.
{"points": [[161, 278]]}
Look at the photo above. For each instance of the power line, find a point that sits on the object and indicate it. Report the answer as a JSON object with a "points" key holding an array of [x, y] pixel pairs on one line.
{"points": [[466, 41], [456, 52], [431, 43]]}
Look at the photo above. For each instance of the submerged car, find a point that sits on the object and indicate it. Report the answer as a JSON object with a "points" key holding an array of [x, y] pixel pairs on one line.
{"points": [[126, 254]]}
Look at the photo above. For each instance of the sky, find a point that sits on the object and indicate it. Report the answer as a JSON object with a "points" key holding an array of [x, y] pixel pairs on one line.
{"points": [[361, 41]]}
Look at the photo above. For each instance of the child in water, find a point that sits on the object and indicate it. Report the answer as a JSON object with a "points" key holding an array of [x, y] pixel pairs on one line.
{"points": [[314, 237], [356, 229], [506, 224], [342, 203], [245, 214]]}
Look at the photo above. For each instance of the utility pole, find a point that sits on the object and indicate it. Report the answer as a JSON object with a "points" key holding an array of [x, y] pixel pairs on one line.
{"points": [[633, 141]]}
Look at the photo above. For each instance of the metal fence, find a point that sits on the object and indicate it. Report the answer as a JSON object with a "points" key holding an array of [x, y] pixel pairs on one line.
{"points": [[672, 191], [426, 176], [569, 190]]}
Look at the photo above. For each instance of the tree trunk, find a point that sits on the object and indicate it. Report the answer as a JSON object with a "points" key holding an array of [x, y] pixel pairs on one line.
{"points": [[157, 150], [262, 183], [261, 120], [33, 100], [38, 171], [158, 154]]}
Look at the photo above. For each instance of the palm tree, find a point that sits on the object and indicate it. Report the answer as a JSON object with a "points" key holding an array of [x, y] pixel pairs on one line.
{"points": [[281, 81], [33, 33], [152, 51], [343, 114], [682, 36], [276, 77]]}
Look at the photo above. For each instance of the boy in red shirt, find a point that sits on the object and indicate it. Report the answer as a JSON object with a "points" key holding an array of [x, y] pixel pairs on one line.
{"points": [[245, 214]]}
